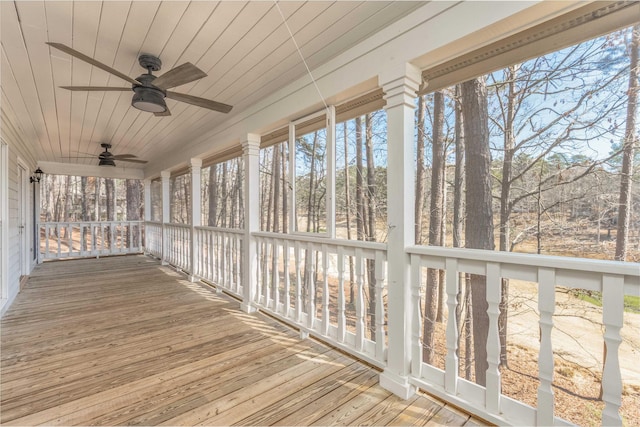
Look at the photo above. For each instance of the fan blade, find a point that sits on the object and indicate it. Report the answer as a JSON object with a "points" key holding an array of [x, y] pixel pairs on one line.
{"points": [[85, 58], [180, 75], [124, 156], [97, 88], [131, 160], [200, 102], [166, 113]]}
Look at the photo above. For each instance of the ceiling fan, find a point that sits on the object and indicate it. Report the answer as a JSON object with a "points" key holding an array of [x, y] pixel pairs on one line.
{"points": [[149, 91], [107, 158]]}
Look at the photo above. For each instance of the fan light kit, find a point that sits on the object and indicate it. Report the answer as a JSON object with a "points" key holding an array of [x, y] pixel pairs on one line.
{"points": [[150, 91]]}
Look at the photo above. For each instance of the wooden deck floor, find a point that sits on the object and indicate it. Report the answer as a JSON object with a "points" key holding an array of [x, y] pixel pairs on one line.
{"points": [[123, 340]]}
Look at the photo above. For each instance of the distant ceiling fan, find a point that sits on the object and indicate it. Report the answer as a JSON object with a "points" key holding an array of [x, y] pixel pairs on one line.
{"points": [[149, 91], [107, 158]]}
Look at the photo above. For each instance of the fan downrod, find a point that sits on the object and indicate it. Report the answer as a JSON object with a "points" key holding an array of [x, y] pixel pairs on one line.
{"points": [[150, 62]]}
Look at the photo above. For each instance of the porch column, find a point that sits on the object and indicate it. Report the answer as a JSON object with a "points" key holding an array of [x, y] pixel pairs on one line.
{"points": [[400, 88], [147, 199], [147, 211], [166, 213], [251, 160], [196, 216]]}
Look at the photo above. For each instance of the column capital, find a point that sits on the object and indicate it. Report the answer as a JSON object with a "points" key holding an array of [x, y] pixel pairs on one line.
{"points": [[195, 163], [165, 174], [251, 145], [401, 86]]}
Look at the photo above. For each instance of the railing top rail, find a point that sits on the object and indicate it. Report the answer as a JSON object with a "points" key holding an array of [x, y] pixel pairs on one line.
{"points": [[158, 223], [42, 223], [534, 260], [377, 246], [175, 224], [220, 229]]}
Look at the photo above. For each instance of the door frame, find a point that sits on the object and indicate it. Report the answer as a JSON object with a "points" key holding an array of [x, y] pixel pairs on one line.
{"points": [[23, 217], [4, 220]]}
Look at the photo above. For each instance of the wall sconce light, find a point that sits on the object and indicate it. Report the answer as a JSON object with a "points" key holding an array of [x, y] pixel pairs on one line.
{"points": [[38, 176]]}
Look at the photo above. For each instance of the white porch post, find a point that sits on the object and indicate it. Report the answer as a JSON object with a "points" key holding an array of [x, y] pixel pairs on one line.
{"points": [[251, 160], [196, 216], [147, 211], [147, 199], [166, 215], [400, 89]]}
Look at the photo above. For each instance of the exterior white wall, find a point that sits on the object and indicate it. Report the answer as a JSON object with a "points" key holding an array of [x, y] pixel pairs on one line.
{"points": [[16, 149]]}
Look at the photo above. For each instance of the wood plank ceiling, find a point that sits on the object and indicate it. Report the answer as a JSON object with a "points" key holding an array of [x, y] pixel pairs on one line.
{"points": [[244, 47]]}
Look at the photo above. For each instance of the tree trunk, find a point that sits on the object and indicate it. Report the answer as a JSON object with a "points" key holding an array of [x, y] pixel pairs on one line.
{"points": [[479, 227], [359, 184], [276, 189], [435, 226], [213, 196], [420, 171], [505, 202], [84, 212], [224, 195], [347, 198], [285, 188], [67, 204], [109, 188], [133, 207], [371, 190], [624, 205]]}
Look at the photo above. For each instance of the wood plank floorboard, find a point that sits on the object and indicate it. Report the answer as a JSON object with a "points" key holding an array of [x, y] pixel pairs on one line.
{"points": [[126, 341]]}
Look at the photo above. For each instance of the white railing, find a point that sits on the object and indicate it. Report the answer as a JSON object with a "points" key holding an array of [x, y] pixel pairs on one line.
{"points": [[89, 239], [333, 289], [613, 279], [218, 258], [153, 238], [337, 290], [177, 245]]}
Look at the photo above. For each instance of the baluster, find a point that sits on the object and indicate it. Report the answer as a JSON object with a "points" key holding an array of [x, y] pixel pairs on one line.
{"points": [[380, 281], [416, 333], [223, 276], [47, 231], [197, 256], [287, 279], [275, 274], [225, 261], [451, 362], [612, 318], [206, 254], [239, 260], [546, 306], [360, 308], [342, 319], [325, 290], [298, 282], [58, 239], [102, 242], [311, 315], [494, 289], [259, 248], [214, 257], [70, 242], [265, 272]]}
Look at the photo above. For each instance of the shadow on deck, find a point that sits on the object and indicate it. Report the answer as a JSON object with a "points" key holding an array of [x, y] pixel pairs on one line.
{"points": [[123, 340]]}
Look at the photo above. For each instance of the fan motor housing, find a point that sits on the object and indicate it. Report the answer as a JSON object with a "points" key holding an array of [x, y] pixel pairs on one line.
{"points": [[148, 99]]}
